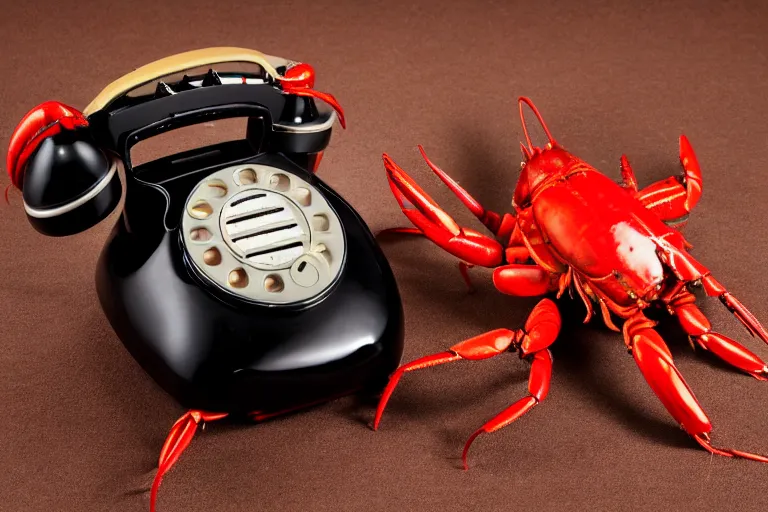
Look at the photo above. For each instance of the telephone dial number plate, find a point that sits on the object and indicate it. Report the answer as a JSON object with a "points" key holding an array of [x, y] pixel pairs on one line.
{"points": [[263, 234]]}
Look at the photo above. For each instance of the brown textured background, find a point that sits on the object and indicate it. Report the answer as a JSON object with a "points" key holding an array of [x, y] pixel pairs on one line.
{"points": [[81, 424]]}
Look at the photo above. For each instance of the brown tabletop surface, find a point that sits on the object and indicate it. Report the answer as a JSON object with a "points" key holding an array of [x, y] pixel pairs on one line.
{"points": [[81, 424]]}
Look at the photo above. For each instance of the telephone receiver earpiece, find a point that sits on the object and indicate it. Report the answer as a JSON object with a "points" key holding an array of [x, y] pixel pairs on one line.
{"points": [[69, 184]]}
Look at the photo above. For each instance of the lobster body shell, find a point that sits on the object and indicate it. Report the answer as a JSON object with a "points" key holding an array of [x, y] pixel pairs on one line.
{"points": [[615, 244], [599, 229]]}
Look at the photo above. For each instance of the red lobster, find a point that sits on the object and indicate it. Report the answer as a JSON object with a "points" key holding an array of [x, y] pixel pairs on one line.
{"points": [[615, 245]]}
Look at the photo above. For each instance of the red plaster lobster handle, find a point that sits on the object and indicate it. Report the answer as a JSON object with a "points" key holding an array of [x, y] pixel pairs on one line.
{"points": [[43, 121], [300, 79]]}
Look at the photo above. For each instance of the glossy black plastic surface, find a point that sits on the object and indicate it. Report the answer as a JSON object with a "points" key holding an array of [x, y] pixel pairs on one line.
{"points": [[212, 351], [84, 216], [119, 127], [64, 167], [207, 348]]}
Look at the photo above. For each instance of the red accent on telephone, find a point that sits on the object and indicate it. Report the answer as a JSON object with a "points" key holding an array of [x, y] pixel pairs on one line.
{"points": [[300, 79], [43, 121]]}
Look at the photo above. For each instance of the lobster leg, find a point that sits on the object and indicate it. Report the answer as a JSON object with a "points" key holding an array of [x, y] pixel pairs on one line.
{"points": [[696, 325], [464, 270], [673, 199], [688, 270], [655, 362], [484, 346], [538, 387], [178, 439], [516, 251], [400, 231], [517, 278], [540, 331], [714, 289], [437, 225], [524, 280]]}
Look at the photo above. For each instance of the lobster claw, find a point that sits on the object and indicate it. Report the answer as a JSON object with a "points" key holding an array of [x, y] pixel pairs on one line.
{"points": [[41, 122], [436, 224], [300, 79], [691, 173], [68, 181]]}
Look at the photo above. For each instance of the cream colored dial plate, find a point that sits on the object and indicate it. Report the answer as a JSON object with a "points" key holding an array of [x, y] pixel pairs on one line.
{"points": [[263, 234]]}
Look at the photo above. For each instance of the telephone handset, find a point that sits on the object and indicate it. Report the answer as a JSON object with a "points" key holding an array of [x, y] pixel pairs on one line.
{"points": [[237, 278], [72, 184]]}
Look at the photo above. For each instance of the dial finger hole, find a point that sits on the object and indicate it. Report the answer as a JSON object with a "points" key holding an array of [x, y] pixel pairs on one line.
{"points": [[217, 188], [200, 235], [302, 196], [238, 278], [320, 222], [212, 257], [201, 210], [247, 177], [280, 182], [273, 283]]}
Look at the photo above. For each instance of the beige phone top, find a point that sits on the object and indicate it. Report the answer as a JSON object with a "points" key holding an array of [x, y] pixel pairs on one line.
{"points": [[178, 63]]}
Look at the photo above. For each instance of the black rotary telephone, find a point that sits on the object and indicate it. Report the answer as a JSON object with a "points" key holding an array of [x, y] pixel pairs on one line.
{"points": [[239, 281]]}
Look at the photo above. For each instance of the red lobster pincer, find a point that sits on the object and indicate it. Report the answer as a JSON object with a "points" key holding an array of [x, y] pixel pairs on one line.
{"points": [[615, 245]]}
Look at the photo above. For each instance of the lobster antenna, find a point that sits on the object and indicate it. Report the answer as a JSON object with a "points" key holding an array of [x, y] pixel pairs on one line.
{"points": [[526, 153], [527, 101]]}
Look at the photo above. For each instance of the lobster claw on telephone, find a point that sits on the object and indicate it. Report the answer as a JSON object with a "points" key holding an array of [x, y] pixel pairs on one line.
{"points": [[41, 122], [300, 80], [69, 184]]}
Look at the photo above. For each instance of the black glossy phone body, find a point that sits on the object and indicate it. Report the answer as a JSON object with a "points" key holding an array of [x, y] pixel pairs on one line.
{"points": [[214, 352], [210, 345]]}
